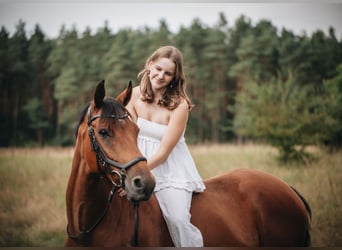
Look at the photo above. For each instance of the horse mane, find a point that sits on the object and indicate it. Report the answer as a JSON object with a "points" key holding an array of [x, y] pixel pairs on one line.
{"points": [[80, 120], [110, 107]]}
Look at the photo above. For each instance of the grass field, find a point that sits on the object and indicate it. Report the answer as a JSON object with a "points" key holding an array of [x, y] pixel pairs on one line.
{"points": [[33, 183]]}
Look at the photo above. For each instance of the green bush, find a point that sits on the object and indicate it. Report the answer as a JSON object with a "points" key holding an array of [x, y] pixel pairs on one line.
{"points": [[284, 114]]}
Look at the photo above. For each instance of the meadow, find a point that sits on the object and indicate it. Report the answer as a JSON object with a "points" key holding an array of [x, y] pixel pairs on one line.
{"points": [[33, 183]]}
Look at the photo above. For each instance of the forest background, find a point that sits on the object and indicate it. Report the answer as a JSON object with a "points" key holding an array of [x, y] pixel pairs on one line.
{"points": [[248, 82]]}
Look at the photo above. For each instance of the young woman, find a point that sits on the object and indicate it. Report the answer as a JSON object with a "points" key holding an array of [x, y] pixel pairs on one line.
{"points": [[160, 106]]}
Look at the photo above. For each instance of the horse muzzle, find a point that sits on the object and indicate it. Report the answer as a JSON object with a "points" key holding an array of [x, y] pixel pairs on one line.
{"points": [[139, 187]]}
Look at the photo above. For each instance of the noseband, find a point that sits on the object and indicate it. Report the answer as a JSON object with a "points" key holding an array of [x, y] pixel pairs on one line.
{"points": [[103, 160]]}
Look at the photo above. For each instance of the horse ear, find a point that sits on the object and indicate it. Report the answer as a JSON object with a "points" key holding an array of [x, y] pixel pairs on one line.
{"points": [[125, 96], [100, 93]]}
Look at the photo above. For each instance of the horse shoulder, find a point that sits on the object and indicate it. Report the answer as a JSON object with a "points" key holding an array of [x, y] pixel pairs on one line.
{"points": [[153, 229]]}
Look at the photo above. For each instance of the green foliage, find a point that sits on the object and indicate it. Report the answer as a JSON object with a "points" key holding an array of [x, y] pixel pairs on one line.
{"points": [[118, 62], [219, 62], [37, 119], [257, 54], [333, 89], [283, 114]]}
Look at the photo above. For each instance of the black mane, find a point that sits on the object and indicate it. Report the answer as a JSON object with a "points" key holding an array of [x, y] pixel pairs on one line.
{"points": [[80, 120]]}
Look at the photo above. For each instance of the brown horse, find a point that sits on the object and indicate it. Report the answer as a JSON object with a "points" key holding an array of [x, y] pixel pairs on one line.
{"points": [[240, 208]]}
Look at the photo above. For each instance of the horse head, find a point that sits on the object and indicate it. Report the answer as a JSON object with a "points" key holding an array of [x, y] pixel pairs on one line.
{"points": [[109, 144]]}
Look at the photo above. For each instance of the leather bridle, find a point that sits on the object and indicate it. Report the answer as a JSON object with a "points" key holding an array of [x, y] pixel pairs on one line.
{"points": [[106, 163], [101, 156]]}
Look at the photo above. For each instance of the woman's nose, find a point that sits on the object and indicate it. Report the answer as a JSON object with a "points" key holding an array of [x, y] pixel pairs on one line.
{"points": [[161, 75]]}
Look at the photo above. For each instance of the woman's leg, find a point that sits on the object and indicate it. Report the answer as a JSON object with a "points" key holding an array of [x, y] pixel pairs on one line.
{"points": [[175, 205]]}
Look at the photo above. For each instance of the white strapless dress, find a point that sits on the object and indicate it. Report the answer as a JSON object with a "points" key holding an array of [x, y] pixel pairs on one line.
{"points": [[179, 170]]}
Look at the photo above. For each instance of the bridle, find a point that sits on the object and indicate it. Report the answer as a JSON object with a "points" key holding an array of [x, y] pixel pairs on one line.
{"points": [[103, 160], [101, 156]]}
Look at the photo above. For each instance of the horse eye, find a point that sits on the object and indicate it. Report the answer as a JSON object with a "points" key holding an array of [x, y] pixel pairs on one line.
{"points": [[103, 132]]}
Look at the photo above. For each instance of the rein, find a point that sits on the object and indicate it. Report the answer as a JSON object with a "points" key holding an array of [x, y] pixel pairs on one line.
{"points": [[104, 160]]}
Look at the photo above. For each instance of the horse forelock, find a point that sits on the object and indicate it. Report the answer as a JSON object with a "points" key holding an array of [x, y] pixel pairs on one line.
{"points": [[112, 107]]}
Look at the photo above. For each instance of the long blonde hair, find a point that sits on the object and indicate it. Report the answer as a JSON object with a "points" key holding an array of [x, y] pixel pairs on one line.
{"points": [[176, 91]]}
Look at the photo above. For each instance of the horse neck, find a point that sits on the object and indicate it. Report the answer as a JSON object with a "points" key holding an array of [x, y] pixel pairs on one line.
{"points": [[86, 196], [152, 223]]}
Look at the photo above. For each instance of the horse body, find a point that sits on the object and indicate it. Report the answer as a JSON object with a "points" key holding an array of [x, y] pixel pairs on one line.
{"points": [[246, 207], [243, 207]]}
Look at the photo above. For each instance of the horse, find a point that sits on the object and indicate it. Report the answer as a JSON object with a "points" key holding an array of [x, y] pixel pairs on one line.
{"points": [[242, 207]]}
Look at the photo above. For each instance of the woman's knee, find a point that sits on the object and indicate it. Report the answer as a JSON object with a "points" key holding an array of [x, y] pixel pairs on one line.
{"points": [[178, 218]]}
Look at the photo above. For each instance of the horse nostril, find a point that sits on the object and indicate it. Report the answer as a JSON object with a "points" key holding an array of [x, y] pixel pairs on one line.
{"points": [[137, 183]]}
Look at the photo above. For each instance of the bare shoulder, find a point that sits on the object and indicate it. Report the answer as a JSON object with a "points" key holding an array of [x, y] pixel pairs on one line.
{"points": [[182, 111], [183, 106], [136, 93]]}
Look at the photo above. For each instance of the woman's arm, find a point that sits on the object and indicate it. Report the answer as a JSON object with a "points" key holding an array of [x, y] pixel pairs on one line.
{"points": [[174, 131]]}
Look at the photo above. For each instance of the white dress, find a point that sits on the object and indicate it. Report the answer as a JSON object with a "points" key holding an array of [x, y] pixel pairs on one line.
{"points": [[179, 170], [176, 179]]}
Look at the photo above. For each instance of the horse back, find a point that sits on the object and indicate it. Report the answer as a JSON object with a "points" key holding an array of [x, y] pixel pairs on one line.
{"points": [[247, 207]]}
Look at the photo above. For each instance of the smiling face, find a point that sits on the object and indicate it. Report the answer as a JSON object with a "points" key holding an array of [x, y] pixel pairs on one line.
{"points": [[162, 71], [162, 79]]}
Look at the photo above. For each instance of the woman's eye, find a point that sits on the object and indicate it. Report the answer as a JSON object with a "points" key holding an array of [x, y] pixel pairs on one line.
{"points": [[103, 132]]}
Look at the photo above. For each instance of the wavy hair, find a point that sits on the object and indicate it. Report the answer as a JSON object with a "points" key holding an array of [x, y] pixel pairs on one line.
{"points": [[176, 90]]}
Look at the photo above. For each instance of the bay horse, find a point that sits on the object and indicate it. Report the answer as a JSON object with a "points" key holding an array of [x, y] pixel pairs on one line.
{"points": [[242, 207]]}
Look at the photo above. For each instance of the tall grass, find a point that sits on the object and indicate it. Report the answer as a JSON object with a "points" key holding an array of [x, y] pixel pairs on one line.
{"points": [[33, 184], [32, 197]]}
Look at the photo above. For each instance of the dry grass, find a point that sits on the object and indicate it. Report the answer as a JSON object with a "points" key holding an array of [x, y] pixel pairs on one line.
{"points": [[33, 183], [32, 198]]}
